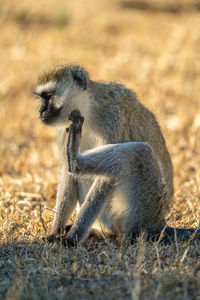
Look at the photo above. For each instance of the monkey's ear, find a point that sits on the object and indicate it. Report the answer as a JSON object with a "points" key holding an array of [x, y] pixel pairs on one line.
{"points": [[80, 78]]}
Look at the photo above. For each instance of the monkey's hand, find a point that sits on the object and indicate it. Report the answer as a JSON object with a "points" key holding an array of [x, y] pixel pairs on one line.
{"points": [[57, 237], [61, 239]]}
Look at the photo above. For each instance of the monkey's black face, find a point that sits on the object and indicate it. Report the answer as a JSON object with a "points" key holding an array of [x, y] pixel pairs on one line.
{"points": [[49, 115], [48, 112]]}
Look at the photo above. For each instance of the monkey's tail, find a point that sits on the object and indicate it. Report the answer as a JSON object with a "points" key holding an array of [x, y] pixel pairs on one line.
{"points": [[180, 234]]}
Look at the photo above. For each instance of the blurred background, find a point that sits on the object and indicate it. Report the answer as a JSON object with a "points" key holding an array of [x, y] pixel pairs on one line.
{"points": [[153, 47]]}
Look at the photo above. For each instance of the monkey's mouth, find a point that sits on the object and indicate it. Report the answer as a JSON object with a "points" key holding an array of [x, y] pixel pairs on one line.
{"points": [[49, 117]]}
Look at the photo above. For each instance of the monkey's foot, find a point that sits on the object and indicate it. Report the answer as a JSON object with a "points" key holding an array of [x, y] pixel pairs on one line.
{"points": [[77, 121], [67, 242], [49, 238], [76, 117]]}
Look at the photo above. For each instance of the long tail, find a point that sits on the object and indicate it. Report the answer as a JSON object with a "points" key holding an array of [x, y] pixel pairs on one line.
{"points": [[180, 234]]}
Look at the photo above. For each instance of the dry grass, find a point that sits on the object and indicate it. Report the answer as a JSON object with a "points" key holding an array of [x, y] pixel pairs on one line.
{"points": [[152, 47]]}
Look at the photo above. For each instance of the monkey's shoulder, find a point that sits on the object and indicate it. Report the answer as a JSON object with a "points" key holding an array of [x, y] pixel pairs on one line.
{"points": [[112, 91]]}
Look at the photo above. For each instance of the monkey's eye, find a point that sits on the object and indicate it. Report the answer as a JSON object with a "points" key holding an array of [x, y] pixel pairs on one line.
{"points": [[46, 95]]}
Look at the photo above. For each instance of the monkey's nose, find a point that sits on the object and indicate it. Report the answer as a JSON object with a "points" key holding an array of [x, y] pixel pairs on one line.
{"points": [[42, 109]]}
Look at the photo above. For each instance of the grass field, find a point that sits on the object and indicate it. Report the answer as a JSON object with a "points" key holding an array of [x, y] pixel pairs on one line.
{"points": [[152, 47]]}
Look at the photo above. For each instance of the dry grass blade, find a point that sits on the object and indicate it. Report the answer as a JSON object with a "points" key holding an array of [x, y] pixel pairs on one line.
{"points": [[161, 63], [30, 195], [42, 220]]}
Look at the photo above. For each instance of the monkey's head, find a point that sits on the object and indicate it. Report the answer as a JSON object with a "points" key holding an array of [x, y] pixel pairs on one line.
{"points": [[62, 89]]}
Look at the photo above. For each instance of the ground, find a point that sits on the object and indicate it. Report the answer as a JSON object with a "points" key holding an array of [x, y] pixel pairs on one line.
{"points": [[153, 47]]}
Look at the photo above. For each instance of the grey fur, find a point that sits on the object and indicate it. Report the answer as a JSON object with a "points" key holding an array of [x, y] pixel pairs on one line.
{"points": [[124, 178]]}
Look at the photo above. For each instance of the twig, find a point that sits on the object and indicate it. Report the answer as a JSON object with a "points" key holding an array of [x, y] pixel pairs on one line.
{"points": [[49, 208], [160, 237], [31, 195], [42, 220]]}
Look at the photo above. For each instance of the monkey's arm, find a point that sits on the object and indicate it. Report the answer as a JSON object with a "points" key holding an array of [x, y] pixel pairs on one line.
{"points": [[65, 204], [67, 191]]}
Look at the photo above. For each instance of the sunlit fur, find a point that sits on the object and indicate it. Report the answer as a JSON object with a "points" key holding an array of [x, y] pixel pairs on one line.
{"points": [[112, 115], [67, 95]]}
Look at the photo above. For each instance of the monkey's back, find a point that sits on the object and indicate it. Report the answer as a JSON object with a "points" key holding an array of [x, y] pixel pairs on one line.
{"points": [[118, 116]]}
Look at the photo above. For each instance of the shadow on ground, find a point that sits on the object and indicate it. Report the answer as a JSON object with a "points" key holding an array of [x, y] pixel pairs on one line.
{"points": [[101, 269]]}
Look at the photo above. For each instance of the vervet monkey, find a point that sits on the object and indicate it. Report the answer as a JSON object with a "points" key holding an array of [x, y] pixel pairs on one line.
{"points": [[122, 178]]}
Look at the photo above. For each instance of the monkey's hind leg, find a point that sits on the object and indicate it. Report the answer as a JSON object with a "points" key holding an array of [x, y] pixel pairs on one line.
{"points": [[74, 138]]}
